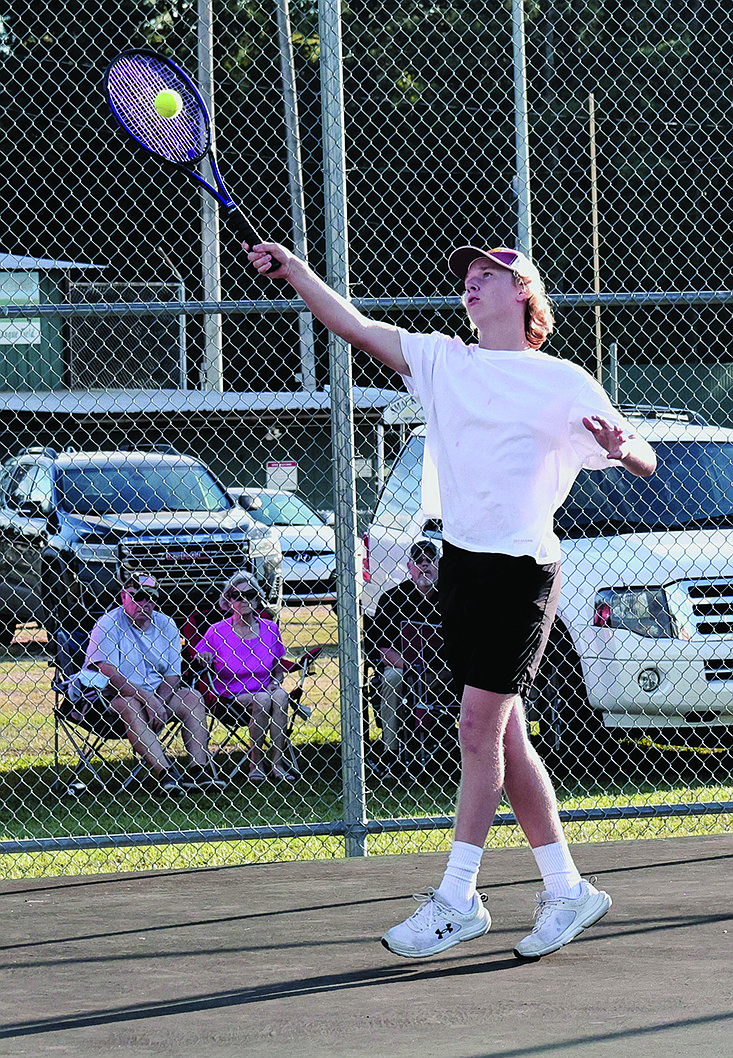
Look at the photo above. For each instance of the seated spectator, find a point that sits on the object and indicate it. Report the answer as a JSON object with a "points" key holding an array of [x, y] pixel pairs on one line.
{"points": [[414, 600], [243, 652], [138, 649]]}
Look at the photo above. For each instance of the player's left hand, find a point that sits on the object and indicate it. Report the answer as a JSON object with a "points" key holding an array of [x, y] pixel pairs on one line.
{"points": [[612, 438]]}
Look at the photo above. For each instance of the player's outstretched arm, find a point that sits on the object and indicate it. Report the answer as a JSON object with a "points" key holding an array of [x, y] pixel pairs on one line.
{"points": [[638, 457], [380, 340]]}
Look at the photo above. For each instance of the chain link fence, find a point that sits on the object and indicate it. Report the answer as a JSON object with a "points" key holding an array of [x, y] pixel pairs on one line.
{"points": [[164, 411]]}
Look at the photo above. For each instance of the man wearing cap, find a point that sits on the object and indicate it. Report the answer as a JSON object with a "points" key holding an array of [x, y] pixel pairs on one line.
{"points": [[414, 601], [508, 428], [138, 649]]}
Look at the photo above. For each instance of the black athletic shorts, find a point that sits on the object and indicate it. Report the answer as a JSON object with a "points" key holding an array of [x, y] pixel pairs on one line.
{"points": [[497, 612]]}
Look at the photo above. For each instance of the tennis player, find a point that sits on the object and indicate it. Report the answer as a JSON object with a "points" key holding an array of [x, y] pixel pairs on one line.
{"points": [[508, 428]]}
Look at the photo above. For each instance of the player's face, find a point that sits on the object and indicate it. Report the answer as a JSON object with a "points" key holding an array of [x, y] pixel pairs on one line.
{"points": [[491, 291]]}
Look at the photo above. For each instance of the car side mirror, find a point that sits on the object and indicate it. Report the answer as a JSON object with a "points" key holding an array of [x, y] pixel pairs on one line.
{"points": [[250, 503], [31, 509]]}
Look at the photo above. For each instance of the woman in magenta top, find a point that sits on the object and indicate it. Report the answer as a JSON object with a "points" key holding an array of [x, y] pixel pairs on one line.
{"points": [[243, 652]]}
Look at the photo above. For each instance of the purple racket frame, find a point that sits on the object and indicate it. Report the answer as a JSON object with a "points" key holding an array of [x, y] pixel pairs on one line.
{"points": [[183, 141]]}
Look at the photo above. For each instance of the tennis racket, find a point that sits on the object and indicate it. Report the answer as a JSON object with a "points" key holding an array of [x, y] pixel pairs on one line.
{"points": [[132, 83]]}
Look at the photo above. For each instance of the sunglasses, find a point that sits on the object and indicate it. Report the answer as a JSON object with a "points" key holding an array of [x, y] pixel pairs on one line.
{"points": [[142, 596], [238, 596]]}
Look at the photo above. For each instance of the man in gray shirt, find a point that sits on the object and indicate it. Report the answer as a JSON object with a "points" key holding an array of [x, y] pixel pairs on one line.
{"points": [[138, 649]]}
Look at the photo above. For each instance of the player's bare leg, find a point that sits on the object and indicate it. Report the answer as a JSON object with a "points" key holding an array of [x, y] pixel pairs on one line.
{"points": [[496, 754], [439, 923]]}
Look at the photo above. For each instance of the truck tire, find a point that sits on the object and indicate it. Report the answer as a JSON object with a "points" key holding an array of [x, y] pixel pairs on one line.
{"points": [[8, 626], [58, 609], [571, 737]]}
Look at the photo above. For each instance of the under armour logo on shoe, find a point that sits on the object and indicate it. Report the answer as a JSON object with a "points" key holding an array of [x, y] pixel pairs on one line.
{"points": [[440, 933]]}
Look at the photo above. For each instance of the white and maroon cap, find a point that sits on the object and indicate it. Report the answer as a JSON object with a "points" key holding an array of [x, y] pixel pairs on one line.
{"points": [[461, 259], [140, 581]]}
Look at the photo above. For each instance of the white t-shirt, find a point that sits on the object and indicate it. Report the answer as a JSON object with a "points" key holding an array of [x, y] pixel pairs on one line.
{"points": [[505, 431], [143, 658]]}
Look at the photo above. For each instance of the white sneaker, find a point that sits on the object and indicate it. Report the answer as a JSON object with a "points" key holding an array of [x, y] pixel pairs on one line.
{"points": [[560, 918], [436, 926]]}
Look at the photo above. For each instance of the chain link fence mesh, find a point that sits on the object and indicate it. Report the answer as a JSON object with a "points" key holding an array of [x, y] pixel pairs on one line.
{"points": [[164, 410]]}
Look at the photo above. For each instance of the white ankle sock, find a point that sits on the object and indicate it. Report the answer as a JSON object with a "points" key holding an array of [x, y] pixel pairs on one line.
{"points": [[559, 874], [458, 886]]}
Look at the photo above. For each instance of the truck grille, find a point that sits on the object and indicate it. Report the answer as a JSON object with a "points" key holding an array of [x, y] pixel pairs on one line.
{"points": [[309, 556], [311, 587], [719, 669], [712, 606], [185, 562]]}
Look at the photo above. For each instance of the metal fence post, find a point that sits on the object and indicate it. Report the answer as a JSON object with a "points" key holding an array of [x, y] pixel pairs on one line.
{"points": [[295, 183], [521, 131], [212, 366], [342, 428]]}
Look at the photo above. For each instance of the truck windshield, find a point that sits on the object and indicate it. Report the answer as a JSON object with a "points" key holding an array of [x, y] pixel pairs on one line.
{"points": [[152, 488], [399, 500], [285, 509], [692, 488]]}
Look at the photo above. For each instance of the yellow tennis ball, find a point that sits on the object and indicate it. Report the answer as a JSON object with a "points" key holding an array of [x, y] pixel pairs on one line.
{"points": [[168, 103]]}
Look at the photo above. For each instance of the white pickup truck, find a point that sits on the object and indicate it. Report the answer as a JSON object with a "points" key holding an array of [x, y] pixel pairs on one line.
{"points": [[643, 639]]}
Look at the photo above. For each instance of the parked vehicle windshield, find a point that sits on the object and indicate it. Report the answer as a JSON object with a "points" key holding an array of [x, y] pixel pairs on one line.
{"points": [[399, 500], [285, 509], [692, 488], [137, 489]]}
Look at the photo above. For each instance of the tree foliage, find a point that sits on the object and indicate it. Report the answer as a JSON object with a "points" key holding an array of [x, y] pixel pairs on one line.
{"points": [[429, 112]]}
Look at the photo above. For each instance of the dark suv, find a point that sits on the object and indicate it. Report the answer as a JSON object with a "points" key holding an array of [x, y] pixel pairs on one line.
{"points": [[69, 521]]}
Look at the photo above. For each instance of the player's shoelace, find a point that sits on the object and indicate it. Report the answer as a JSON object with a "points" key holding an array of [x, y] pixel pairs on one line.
{"points": [[543, 907], [428, 910], [544, 902], [428, 906]]}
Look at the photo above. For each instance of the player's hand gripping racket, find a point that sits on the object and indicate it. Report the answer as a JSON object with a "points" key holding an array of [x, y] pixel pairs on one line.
{"points": [[175, 126]]}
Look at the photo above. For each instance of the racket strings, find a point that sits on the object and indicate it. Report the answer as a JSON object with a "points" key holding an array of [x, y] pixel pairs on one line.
{"points": [[133, 82]]}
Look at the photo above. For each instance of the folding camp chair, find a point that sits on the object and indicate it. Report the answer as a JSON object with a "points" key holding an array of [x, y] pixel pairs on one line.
{"points": [[372, 675], [223, 711], [81, 716], [226, 712], [431, 705]]}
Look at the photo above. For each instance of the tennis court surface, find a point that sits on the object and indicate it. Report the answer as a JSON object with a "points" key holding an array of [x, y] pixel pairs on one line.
{"points": [[284, 959]]}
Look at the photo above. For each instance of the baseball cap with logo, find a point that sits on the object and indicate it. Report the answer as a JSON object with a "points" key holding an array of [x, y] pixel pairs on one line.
{"points": [[141, 582], [461, 259], [423, 547]]}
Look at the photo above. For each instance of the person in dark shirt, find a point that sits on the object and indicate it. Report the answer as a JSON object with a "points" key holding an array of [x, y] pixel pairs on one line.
{"points": [[414, 601]]}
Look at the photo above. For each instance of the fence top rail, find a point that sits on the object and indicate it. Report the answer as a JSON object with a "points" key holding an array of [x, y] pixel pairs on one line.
{"points": [[383, 304], [97, 403]]}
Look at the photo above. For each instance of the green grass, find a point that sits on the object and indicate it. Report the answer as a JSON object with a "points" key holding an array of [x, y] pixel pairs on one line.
{"points": [[29, 807]]}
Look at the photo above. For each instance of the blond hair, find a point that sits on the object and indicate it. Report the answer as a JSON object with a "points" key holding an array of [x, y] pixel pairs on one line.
{"points": [[539, 320]]}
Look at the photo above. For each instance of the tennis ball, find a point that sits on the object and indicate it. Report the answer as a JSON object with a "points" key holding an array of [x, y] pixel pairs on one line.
{"points": [[168, 103]]}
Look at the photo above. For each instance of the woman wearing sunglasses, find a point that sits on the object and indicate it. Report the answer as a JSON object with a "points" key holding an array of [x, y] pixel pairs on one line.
{"points": [[243, 653]]}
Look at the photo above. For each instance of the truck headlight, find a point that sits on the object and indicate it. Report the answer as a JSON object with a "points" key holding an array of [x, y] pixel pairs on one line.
{"points": [[88, 551], [641, 610], [265, 543]]}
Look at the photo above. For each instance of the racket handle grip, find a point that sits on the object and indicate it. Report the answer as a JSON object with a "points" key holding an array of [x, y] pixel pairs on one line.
{"points": [[244, 231]]}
